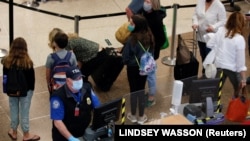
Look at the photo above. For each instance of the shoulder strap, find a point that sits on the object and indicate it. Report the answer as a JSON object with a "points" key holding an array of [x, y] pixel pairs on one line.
{"points": [[143, 50], [142, 46], [68, 55], [56, 57]]}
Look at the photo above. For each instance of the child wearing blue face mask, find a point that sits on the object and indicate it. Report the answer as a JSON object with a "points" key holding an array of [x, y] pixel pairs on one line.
{"points": [[71, 107], [140, 32]]}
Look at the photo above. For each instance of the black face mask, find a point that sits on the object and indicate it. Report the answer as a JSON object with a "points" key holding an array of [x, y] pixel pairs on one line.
{"points": [[208, 1]]}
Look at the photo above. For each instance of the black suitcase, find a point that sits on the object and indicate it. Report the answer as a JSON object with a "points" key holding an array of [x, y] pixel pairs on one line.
{"points": [[183, 71], [105, 75]]}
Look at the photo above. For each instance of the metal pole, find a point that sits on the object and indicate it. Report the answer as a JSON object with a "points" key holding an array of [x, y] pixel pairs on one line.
{"points": [[11, 30], [171, 60], [77, 18]]}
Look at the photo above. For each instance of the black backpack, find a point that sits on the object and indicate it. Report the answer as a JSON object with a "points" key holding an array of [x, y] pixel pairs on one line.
{"points": [[16, 85]]}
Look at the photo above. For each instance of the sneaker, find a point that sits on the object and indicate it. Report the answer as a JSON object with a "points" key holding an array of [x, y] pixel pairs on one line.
{"points": [[150, 103], [132, 118], [142, 119]]}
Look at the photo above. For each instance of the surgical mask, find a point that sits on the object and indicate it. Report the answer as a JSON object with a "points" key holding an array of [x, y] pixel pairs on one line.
{"points": [[77, 84], [131, 27], [147, 6]]}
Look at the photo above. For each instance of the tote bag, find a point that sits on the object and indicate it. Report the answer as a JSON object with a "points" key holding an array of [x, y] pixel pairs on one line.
{"points": [[122, 33], [183, 55], [238, 107], [166, 44]]}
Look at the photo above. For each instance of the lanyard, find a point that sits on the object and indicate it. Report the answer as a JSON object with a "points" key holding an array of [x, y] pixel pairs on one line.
{"points": [[77, 97]]}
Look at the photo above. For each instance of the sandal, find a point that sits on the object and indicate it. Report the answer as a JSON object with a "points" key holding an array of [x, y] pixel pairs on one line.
{"points": [[12, 136], [33, 138]]}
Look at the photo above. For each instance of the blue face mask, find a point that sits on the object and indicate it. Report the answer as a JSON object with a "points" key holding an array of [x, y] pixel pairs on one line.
{"points": [[147, 6], [77, 85], [131, 28]]}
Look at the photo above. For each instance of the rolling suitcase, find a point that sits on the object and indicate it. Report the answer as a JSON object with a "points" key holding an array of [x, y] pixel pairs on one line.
{"points": [[105, 75], [183, 71], [186, 63]]}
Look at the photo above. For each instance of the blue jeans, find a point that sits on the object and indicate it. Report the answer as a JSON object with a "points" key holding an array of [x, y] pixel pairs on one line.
{"points": [[151, 79], [20, 105]]}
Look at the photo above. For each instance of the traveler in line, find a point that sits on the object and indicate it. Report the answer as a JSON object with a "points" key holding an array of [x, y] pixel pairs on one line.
{"points": [[140, 32], [154, 15], [20, 106], [89, 54], [229, 43], [208, 16], [59, 42]]}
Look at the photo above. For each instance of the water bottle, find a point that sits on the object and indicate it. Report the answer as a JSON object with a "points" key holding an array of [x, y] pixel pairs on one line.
{"points": [[4, 83]]}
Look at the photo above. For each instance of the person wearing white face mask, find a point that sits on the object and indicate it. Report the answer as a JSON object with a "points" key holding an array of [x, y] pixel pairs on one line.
{"points": [[154, 15], [208, 16], [71, 106]]}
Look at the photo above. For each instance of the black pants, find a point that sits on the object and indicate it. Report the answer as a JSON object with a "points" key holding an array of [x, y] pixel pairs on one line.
{"points": [[89, 67], [204, 50], [137, 89]]}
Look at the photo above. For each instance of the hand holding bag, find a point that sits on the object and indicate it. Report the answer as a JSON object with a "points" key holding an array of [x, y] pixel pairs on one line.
{"points": [[208, 64], [238, 107]]}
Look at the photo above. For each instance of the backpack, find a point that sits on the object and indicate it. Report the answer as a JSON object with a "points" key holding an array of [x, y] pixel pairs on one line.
{"points": [[147, 62], [58, 72], [16, 85]]}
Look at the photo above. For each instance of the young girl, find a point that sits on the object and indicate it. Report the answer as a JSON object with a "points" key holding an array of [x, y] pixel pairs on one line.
{"points": [[20, 106], [140, 33]]}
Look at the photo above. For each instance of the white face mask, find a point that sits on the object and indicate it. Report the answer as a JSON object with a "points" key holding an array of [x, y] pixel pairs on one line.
{"points": [[147, 6], [77, 84]]}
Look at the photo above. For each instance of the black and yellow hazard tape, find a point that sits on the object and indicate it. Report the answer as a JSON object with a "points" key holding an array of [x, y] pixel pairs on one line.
{"points": [[218, 109], [123, 111]]}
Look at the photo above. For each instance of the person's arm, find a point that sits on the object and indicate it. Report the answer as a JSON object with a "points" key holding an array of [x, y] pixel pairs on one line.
{"points": [[95, 100], [195, 18], [221, 17], [62, 128], [240, 59], [129, 13], [57, 115]]}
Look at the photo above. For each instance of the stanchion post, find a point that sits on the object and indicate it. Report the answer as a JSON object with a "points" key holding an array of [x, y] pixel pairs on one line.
{"points": [[77, 19], [171, 60]]}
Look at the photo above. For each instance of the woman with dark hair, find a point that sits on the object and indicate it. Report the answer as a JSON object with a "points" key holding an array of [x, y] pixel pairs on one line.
{"points": [[140, 33], [20, 106], [229, 43]]}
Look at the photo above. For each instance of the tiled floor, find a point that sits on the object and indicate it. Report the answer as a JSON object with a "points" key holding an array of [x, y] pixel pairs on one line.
{"points": [[35, 26]]}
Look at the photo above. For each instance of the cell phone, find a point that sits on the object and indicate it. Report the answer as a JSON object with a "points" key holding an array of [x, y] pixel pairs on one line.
{"points": [[247, 14]]}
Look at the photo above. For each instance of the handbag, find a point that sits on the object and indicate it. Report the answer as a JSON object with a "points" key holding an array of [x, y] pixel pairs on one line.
{"points": [[208, 64], [122, 33], [183, 55], [238, 107], [166, 44]]}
